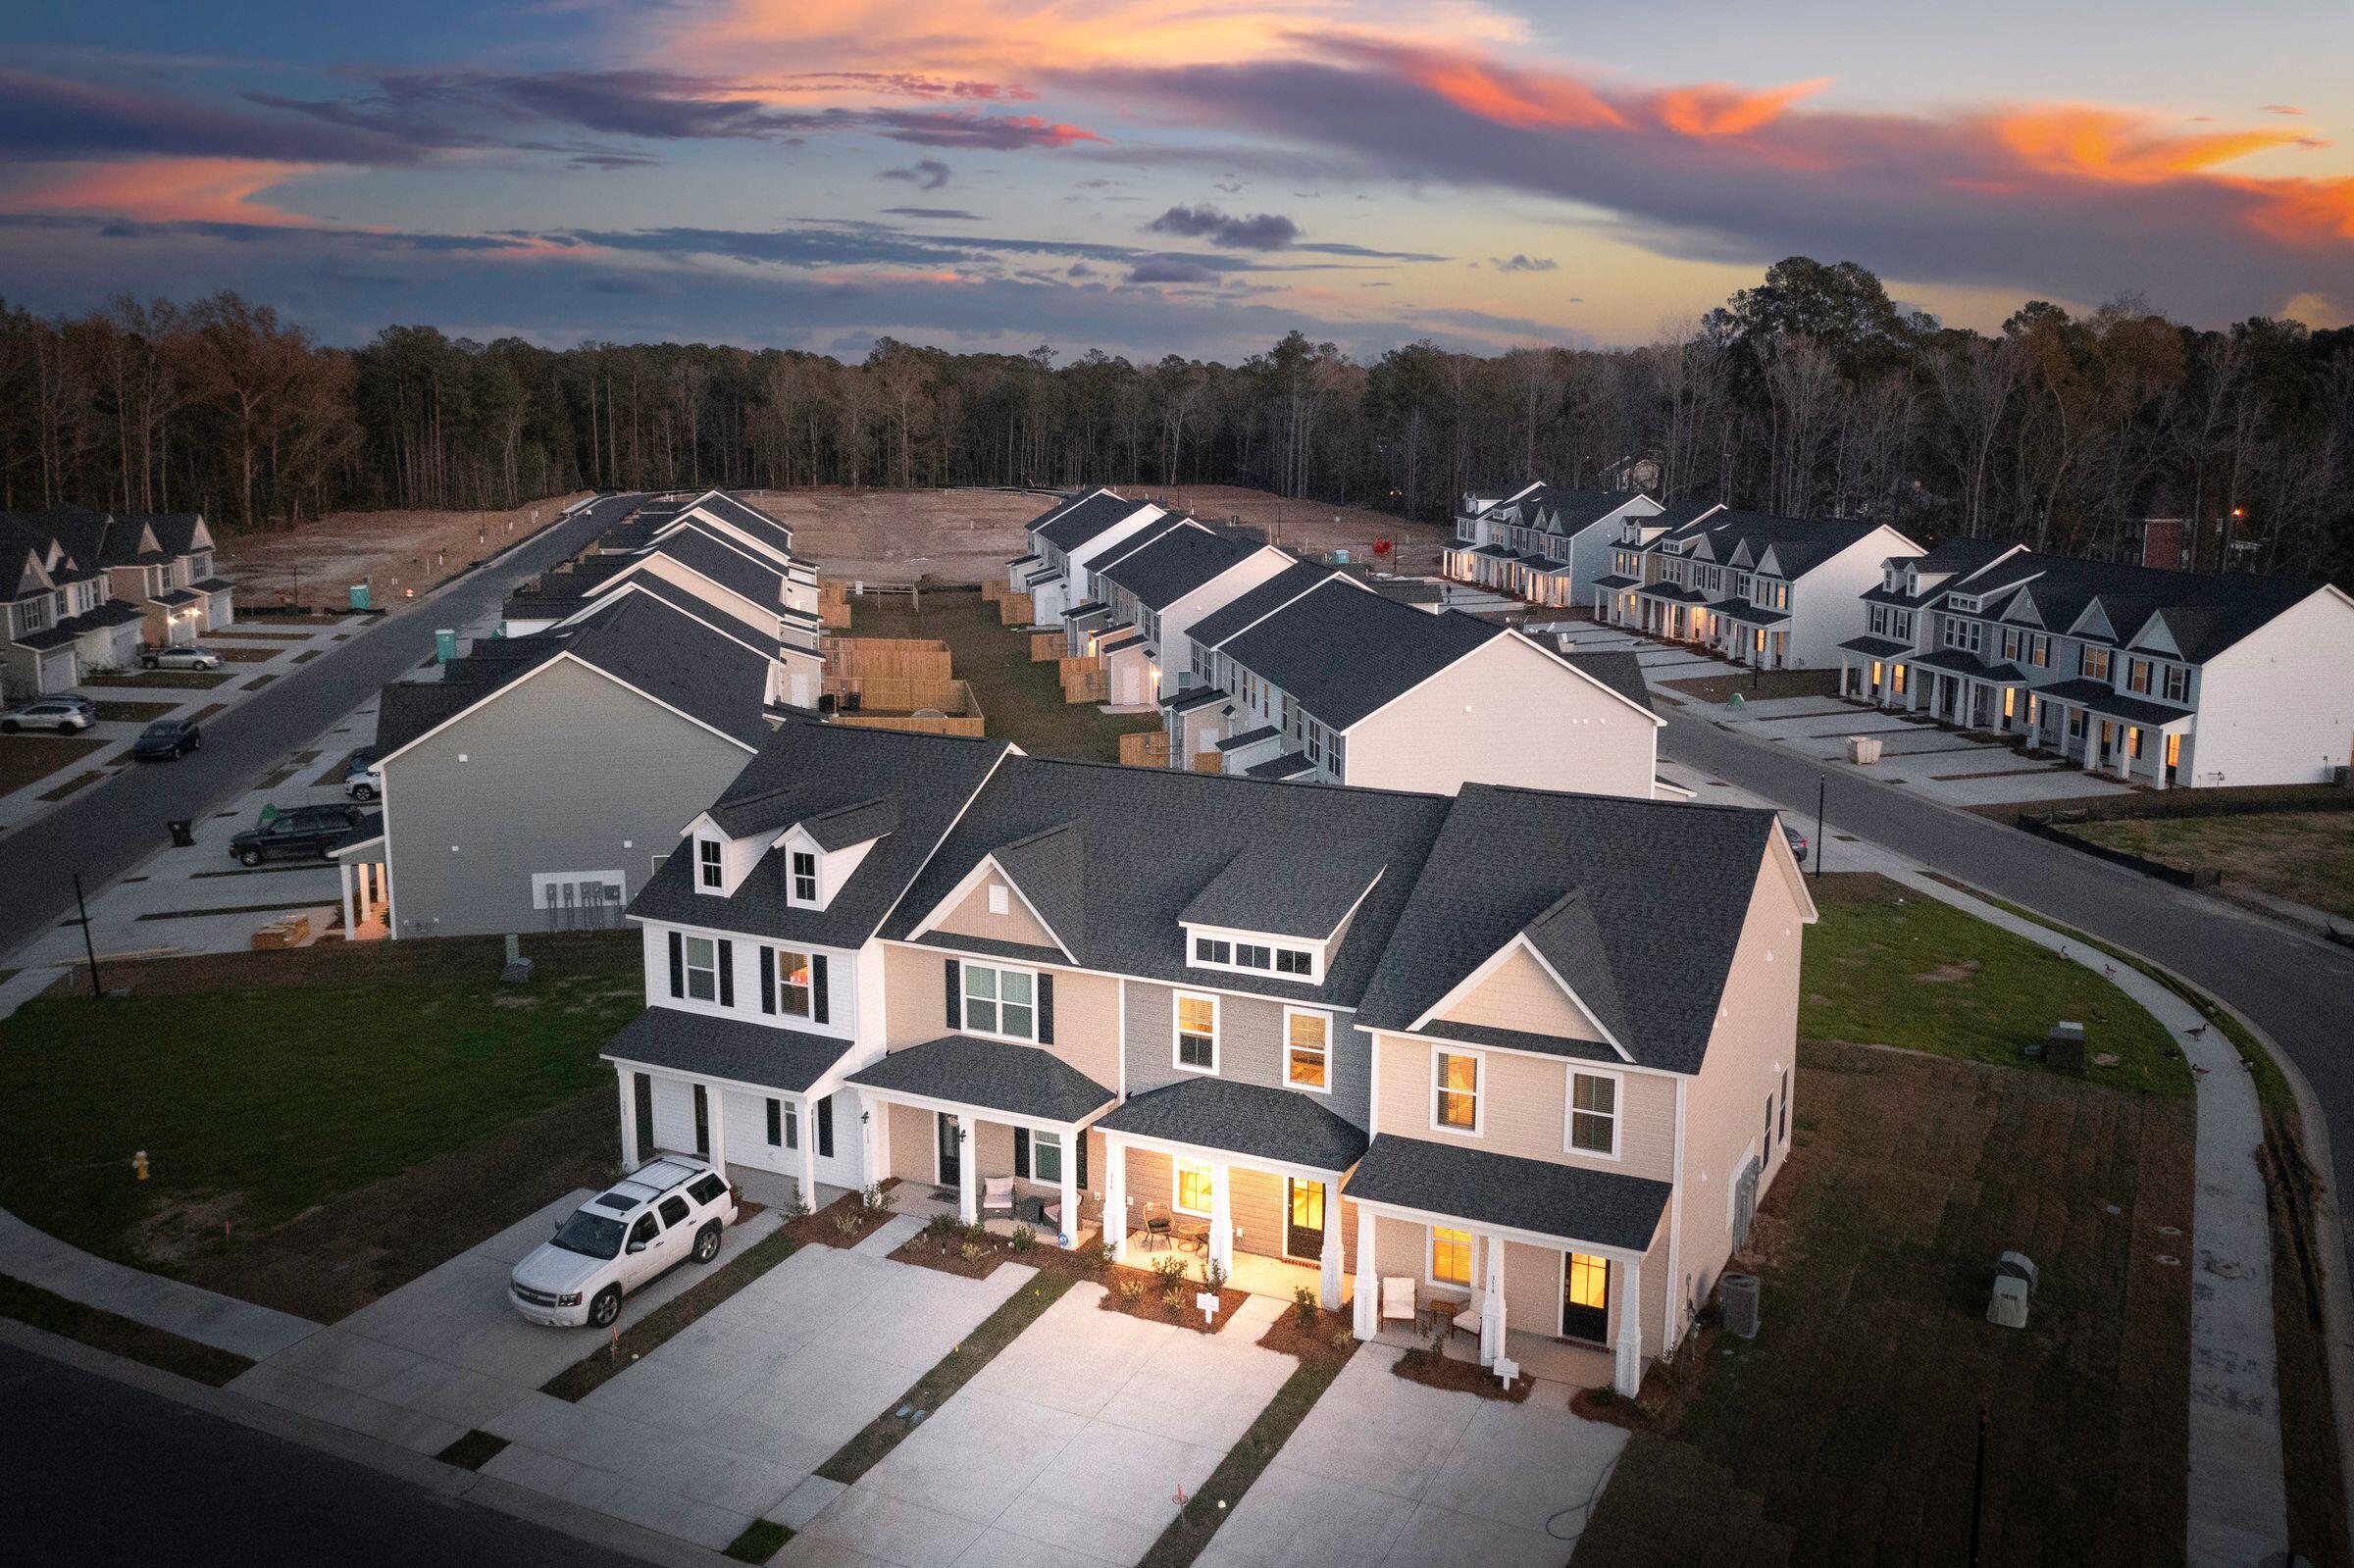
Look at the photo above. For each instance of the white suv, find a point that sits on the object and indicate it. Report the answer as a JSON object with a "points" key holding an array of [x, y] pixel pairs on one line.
{"points": [[668, 1211]]}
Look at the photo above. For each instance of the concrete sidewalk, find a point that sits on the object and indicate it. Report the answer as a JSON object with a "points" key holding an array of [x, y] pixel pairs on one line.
{"points": [[224, 1323]]}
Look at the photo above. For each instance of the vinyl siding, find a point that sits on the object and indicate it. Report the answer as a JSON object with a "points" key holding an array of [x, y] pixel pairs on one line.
{"points": [[2268, 712], [1087, 1011], [1520, 996], [1256, 1198], [1250, 1047], [972, 918], [1522, 1106]]}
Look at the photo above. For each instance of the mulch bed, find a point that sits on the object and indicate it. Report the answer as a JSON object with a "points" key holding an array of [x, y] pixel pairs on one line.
{"points": [[27, 759], [1435, 1371], [1152, 1302], [976, 1254], [81, 780], [473, 1449], [131, 712], [845, 1223]]}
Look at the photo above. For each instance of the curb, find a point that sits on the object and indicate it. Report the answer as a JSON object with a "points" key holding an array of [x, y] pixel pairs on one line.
{"points": [[444, 1481]]}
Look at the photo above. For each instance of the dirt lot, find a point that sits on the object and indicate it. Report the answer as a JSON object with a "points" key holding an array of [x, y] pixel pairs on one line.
{"points": [[392, 550], [1844, 1434], [2307, 856], [969, 535]]}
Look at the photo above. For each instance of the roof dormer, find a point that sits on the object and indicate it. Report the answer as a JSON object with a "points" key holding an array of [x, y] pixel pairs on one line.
{"points": [[821, 851], [1268, 914]]}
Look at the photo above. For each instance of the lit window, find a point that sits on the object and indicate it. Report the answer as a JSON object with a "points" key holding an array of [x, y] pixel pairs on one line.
{"points": [[707, 863], [793, 982], [703, 969], [1198, 1033], [1001, 1001], [1193, 1188], [1308, 1043], [1457, 1080], [1450, 1256], [1593, 1113], [804, 877]]}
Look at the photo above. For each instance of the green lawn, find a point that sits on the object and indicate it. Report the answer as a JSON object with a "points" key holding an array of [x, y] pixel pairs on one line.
{"points": [[1021, 701], [1890, 966], [254, 1106], [2307, 856]]}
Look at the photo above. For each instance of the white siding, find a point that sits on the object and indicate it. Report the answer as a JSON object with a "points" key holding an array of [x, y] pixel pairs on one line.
{"points": [[2277, 706], [1826, 605]]}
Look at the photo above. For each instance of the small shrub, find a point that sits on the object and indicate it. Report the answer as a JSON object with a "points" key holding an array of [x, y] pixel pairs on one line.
{"points": [[797, 1209], [846, 1222], [970, 1252], [1169, 1269], [1304, 1302], [1024, 1238], [870, 1198], [1172, 1295], [1215, 1274], [1098, 1255], [977, 1234], [1132, 1291], [940, 1227], [1341, 1339]]}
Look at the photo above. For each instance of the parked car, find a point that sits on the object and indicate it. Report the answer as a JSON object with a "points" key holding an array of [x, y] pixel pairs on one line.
{"points": [[68, 715], [187, 656], [302, 833], [671, 1209], [167, 738], [1797, 841], [364, 783]]}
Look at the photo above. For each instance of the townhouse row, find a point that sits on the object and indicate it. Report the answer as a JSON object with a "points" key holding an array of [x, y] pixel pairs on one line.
{"points": [[86, 590], [1531, 1053], [1283, 670]]}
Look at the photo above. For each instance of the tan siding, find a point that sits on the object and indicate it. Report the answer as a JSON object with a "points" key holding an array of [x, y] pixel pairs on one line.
{"points": [[1532, 1288], [911, 1147], [972, 918], [1087, 1012], [1520, 996], [1522, 1104], [1256, 1198]]}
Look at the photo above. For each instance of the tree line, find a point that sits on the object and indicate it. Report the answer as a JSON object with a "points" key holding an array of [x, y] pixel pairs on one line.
{"points": [[1811, 394]]}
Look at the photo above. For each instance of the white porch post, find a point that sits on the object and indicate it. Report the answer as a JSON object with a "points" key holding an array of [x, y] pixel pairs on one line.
{"points": [[351, 916], [1070, 1184], [1491, 1306], [1330, 1283], [1367, 1318], [870, 1129], [718, 1110], [2093, 726], [629, 1120], [807, 1132], [1222, 1215], [1628, 1378], [1116, 1196], [968, 1180]]}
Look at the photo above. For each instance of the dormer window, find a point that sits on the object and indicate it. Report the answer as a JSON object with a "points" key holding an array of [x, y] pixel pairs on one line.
{"points": [[804, 877], [711, 868], [1250, 953]]}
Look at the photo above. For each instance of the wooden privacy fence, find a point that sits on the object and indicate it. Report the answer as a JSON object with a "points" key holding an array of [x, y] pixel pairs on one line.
{"points": [[1144, 748], [1045, 646], [889, 694], [1015, 609], [888, 658], [913, 707], [1085, 680]]}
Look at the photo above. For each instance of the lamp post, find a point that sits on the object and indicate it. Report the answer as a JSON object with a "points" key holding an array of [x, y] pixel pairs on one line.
{"points": [[1822, 784]]}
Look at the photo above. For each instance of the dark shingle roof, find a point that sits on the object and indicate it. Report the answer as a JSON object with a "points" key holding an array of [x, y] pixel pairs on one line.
{"points": [[1279, 590], [754, 523], [1622, 673], [854, 824], [2204, 614], [2101, 697], [1799, 544], [1291, 765], [1075, 524], [1961, 661], [682, 599], [1608, 1208], [1265, 889], [724, 564], [725, 1047], [1177, 563], [1247, 1119], [1343, 654], [1050, 867], [1508, 856], [1877, 647], [993, 1075]]}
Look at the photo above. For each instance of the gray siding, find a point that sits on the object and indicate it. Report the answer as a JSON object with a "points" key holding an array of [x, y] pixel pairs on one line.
{"points": [[562, 768], [1249, 1048]]}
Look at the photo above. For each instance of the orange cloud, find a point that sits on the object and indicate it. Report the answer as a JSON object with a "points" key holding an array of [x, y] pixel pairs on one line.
{"points": [[162, 190], [2303, 212], [1714, 110], [1529, 100], [2112, 145]]}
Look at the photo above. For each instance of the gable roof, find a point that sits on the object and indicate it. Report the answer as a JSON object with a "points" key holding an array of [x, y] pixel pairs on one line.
{"points": [[724, 564], [1049, 870], [1799, 544], [1622, 673], [1343, 654], [1090, 515], [856, 823], [2205, 615], [1261, 601], [1175, 564]]}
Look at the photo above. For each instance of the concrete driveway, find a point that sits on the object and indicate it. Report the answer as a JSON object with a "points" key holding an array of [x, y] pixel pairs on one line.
{"points": [[1389, 1472], [1067, 1450]]}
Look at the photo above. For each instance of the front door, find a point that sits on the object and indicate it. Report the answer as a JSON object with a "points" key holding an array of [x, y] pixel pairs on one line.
{"points": [[1586, 1298], [1303, 1235], [951, 1168]]}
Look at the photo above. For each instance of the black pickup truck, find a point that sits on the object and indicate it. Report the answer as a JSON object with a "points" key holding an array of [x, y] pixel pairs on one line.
{"points": [[304, 833]]}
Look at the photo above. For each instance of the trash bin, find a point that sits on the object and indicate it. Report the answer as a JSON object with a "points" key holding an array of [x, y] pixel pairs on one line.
{"points": [[1864, 750], [183, 832]]}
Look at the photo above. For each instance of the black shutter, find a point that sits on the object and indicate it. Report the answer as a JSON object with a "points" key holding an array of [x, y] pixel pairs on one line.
{"points": [[825, 1128], [768, 986], [726, 972], [817, 987], [1045, 1009], [955, 974], [678, 964], [1021, 1152], [643, 1089], [702, 1121], [1079, 1138], [776, 1123]]}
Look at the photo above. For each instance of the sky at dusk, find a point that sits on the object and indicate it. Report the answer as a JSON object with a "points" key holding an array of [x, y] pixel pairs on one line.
{"points": [[1196, 178]]}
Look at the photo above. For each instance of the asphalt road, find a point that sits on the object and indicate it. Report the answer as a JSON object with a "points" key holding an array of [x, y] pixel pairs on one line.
{"points": [[103, 1472], [2298, 988], [107, 828]]}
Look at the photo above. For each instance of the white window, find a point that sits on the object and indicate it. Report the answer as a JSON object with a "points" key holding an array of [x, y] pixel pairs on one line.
{"points": [[1594, 1113], [1001, 1001], [793, 982], [1308, 1049], [703, 969], [1196, 1019], [711, 871], [1189, 1189], [1455, 1092], [804, 877], [1046, 1157], [2177, 683], [1450, 1256]]}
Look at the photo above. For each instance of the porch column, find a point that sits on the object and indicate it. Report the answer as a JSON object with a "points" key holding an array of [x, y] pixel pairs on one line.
{"points": [[717, 1105], [1367, 1318], [2124, 752], [968, 1180], [1491, 1306], [2093, 724], [1070, 1185], [1330, 1283], [1222, 1215], [870, 1166], [351, 916], [1115, 1198], [807, 1132], [1628, 1380], [2158, 763], [629, 1119]]}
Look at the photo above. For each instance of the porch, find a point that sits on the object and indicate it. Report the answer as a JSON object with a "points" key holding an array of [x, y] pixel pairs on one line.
{"points": [[1538, 1356]]}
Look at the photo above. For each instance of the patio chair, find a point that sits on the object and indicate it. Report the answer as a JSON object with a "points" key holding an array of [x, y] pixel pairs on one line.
{"points": [[1398, 1299], [1156, 1231], [996, 1194], [1467, 1320]]}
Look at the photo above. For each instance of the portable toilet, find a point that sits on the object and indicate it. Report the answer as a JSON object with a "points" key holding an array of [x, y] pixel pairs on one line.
{"points": [[359, 596], [1340, 558], [446, 645]]}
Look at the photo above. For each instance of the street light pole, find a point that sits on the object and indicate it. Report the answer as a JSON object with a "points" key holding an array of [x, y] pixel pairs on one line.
{"points": [[82, 913], [1822, 784]]}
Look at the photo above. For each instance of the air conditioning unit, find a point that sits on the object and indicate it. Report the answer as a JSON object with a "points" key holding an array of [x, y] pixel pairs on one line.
{"points": [[1737, 1298]]}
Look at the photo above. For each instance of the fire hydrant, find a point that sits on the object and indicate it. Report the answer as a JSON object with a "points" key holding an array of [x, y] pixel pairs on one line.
{"points": [[138, 1164]]}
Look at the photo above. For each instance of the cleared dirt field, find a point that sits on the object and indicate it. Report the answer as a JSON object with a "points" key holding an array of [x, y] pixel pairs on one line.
{"points": [[898, 537], [2307, 856], [392, 550]]}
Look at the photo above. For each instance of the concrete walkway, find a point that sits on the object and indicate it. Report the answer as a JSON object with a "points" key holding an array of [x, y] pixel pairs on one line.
{"points": [[2239, 1503], [240, 1328]]}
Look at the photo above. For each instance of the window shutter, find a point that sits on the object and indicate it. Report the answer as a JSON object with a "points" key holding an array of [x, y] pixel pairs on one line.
{"points": [[776, 1123], [1045, 1009], [1021, 1152], [817, 987], [1080, 1139], [768, 986], [678, 964], [955, 974], [726, 972]]}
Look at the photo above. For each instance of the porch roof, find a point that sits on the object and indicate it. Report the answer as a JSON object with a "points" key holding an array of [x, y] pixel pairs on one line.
{"points": [[1566, 1202], [1674, 593], [989, 1075], [1253, 1119], [1751, 614], [1961, 661], [1614, 581], [2102, 698], [680, 1042], [1877, 647]]}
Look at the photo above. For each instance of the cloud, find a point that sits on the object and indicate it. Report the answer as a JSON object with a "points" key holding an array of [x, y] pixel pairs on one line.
{"points": [[158, 189], [1258, 232], [925, 174], [2282, 109], [1517, 263], [612, 159], [957, 213], [1171, 269], [42, 118]]}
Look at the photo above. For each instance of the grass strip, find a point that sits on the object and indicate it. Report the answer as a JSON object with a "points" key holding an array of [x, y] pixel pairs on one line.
{"points": [[656, 1328], [1198, 1520], [952, 1372], [102, 1330], [472, 1450], [2271, 1085], [761, 1540]]}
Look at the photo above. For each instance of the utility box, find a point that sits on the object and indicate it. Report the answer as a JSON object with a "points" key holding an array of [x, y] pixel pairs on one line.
{"points": [[2007, 1307], [2064, 1048], [1738, 1297], [359, 596]]}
